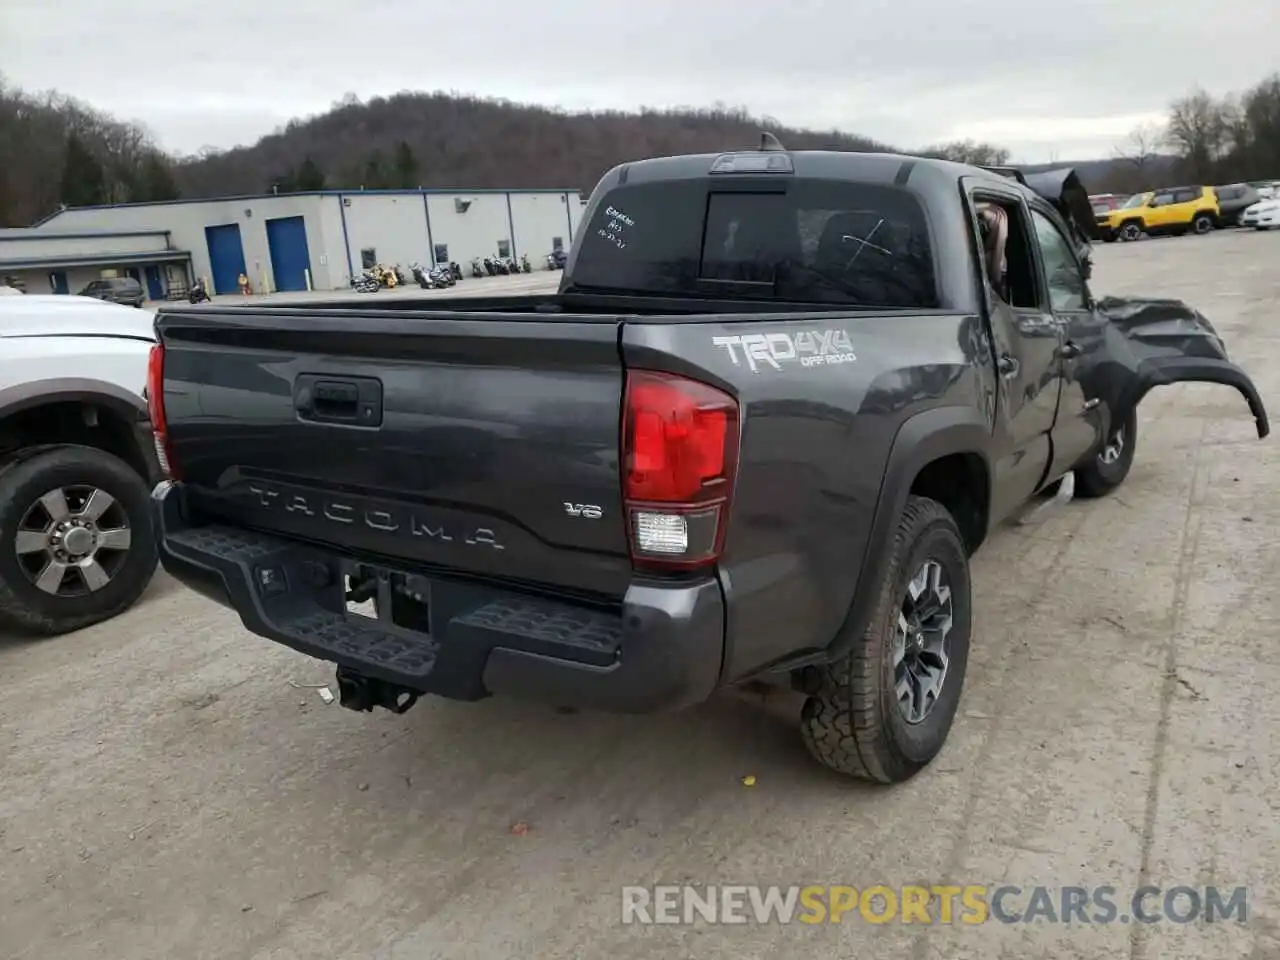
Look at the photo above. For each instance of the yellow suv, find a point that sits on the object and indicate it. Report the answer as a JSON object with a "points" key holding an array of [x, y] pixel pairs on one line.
{"points": [[1174, 210]]}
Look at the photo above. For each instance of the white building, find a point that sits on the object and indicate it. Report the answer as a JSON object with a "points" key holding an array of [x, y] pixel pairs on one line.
{"points": [[65, 261], [286, 241]]}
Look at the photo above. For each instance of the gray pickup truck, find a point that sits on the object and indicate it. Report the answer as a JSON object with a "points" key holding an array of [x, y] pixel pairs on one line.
{"points": [[778, 401]]}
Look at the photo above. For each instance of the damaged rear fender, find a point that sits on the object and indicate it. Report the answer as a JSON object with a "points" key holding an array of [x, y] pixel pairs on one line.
{"points": [[1155, 342], [1157, 373]]}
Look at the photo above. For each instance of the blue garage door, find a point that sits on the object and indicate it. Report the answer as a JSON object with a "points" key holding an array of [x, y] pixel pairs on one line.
{"points": [[226, 256], [290, 259]]}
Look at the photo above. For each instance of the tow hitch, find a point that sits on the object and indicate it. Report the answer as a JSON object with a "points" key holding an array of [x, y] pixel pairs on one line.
{"points": [[358, 692]]}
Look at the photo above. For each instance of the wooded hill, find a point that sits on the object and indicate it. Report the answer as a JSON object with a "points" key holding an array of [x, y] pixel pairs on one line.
{"points": [[55, 150]]}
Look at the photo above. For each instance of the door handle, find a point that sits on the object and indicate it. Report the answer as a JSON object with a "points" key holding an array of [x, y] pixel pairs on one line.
{"points": [[1070, 350], [354, 401], [1008, 366]]}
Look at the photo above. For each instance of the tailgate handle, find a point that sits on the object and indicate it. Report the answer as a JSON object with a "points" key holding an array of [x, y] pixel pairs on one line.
{"points": [[356, 401]]}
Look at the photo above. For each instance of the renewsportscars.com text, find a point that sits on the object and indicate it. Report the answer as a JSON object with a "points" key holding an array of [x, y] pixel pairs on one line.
{"points": [[969, 904]]}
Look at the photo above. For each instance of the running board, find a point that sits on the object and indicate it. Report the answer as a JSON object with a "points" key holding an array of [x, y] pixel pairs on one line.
{"points": [[1038, 510]]}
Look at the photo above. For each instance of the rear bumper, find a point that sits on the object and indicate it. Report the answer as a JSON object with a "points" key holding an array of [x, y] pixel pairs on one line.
{"points": [[662, 651]]}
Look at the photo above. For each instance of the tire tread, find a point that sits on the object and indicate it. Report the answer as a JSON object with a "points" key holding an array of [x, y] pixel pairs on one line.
{"points": [[844, 729]]}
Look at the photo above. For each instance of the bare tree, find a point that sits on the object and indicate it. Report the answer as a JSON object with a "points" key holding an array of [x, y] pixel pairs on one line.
{"points": [[968, 151], [1137, 158], [1141, 146], [1198, 129]]}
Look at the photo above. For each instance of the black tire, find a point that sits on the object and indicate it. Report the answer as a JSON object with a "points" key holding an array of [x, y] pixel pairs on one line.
{"points": [[856, 726], [23, 605], [1101, 476], [1131, 231], [1202, 224]]}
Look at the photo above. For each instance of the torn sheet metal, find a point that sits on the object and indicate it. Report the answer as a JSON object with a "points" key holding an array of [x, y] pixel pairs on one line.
{"points": [[1063, 188], [1154, 342]]}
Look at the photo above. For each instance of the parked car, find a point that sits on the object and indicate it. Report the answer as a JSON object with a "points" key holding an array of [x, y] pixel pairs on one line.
{"points": [[77, 462], [1262, 215], [1172, 211], [779, 425], [123, 290], [1233, 200], [1104, 203]]}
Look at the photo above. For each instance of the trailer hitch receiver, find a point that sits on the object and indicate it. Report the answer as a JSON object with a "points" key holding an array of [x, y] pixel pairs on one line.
{"points": [[358, 692]]}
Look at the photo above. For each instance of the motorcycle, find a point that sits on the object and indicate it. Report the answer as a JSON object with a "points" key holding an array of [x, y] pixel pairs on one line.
{"points": [[198, 293], [491, 266], [400, 278], [420, 276], [524, 263], [366, 282], [456, 269], [551, 262], [441, 276], [477, 268]]}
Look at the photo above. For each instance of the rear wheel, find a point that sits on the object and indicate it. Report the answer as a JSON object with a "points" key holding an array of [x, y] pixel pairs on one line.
{"points": [[886, 709], [1131, 231], [76, 540], [1109, 468], [1202, 224]]}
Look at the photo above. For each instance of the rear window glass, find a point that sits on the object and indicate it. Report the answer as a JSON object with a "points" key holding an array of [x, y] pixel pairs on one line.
{"points": [[820, 241], [1230, 193]]}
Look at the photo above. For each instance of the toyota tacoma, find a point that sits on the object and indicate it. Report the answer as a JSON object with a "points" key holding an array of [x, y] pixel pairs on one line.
{"points": [[776, 403]]}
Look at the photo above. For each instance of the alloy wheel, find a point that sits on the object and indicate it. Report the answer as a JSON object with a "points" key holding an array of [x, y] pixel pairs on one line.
{"points": [[920, 644], [1111, 452], [73, 541]]}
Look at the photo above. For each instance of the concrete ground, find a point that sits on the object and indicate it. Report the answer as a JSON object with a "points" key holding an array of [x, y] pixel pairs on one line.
{"points": [[173, 788]]}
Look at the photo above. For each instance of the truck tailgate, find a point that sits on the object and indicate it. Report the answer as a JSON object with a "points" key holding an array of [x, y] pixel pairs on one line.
{"points": [[480, 446]]}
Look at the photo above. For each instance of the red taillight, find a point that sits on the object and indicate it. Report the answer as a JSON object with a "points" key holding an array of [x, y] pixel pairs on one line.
{"points": [[679, 458], [155, 409]]}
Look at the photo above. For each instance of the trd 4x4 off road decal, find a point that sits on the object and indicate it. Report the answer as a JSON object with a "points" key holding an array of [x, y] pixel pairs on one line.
{"points": [[809, 348]]}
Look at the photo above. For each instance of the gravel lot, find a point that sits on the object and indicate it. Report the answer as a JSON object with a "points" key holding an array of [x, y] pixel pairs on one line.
{"points": [[169, 793]]}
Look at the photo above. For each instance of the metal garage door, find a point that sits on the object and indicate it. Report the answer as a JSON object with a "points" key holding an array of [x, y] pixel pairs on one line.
{"points": [[290, 259], [226, 256]]}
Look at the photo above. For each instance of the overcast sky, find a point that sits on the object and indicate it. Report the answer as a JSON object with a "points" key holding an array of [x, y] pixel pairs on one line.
{"points": [[1048, 84]]}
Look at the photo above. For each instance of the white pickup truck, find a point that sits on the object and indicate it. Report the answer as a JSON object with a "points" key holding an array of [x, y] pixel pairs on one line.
{"points": [[77, 462]]}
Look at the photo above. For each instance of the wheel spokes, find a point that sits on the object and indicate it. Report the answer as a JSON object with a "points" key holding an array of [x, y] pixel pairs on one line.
{"points": [[55, 504]]}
